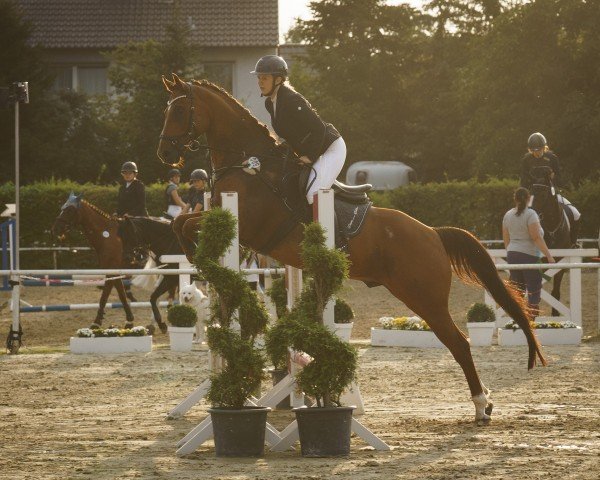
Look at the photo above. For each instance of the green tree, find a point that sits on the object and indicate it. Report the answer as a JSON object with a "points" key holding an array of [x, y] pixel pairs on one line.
{"points": [[135, 73]]}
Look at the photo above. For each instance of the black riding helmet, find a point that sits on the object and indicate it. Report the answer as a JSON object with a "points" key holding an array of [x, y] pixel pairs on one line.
{"points": [[199, 174], [536, 141], [271, 65], [129, 167], [173, 172]]}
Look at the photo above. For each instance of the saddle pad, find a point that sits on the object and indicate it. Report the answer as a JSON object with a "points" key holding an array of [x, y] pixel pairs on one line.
{"points": [[350, 216]]}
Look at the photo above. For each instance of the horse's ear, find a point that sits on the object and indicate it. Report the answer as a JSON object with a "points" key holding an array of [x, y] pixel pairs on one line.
{"points": [[176, 80], [168, 84]]}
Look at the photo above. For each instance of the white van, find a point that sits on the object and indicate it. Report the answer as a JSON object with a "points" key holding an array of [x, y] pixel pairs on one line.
{"points": [[382, 175]]}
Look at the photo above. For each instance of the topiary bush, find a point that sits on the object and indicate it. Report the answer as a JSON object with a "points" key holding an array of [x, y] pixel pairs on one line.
{"points": [[182, 316], [278, 294], [480, 312], [244, 364], [343, 312], [334, 362]]}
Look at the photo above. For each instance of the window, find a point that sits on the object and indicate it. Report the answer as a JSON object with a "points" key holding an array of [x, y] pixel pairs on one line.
{"points": [[92, 80], [220, 73], [63, 79]]}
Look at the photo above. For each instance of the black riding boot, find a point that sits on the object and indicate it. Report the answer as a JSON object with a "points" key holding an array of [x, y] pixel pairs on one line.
{"points": [[575, 232]]}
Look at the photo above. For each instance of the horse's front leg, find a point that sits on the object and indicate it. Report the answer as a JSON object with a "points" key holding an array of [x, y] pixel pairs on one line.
{"points": [[123, 297], [186, 230], [556, 282], [108, 286]]}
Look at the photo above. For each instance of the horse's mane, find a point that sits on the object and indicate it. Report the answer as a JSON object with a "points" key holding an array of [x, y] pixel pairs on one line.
{"points": [[231, 100], [96, 209]]}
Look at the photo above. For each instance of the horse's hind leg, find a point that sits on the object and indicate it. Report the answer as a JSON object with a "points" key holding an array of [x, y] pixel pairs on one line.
{"points": [[179, 227], [556, 282], [123, 297], [165, 284]]}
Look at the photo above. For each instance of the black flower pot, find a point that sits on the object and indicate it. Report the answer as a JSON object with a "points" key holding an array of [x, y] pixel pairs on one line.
{"points": [[239, 433], [324, 432]]}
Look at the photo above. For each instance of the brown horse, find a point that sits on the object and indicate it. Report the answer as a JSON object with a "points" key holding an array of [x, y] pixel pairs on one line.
{"points": [[101, 231], [413, 261]]}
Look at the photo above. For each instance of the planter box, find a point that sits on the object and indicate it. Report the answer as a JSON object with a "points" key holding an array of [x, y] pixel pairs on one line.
{"points": [[181, 338], [481, 333], [546, 336], [344, 330], [404, 338], [111, 344]]}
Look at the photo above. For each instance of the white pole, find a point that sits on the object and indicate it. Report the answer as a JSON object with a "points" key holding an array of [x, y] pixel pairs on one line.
{"points": [[231, 259], [16, 291], [324, 213]]}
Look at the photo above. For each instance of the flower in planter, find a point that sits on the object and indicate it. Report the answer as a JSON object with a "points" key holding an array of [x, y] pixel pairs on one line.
{"points": [[85, 333], [542, 325], [182, 316], [138, 331], [404, 323], [480, 312]]}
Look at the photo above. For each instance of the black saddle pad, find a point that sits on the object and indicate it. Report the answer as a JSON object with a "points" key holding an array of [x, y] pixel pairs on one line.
{"points": [[350, 218]]}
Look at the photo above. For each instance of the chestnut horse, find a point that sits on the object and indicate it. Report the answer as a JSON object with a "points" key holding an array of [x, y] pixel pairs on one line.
{"points": [[413, 261], [101, 231]]}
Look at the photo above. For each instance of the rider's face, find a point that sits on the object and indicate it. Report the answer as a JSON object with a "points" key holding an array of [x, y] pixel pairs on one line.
{"points": [[266, 83], [537, 153]]}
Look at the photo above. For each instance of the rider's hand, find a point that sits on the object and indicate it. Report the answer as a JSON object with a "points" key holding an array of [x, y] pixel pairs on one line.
{"points": [[304, 160], [550, 259]]}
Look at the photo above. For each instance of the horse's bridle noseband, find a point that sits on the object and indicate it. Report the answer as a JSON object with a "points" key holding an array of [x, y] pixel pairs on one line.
{"points": [[184, 141]]}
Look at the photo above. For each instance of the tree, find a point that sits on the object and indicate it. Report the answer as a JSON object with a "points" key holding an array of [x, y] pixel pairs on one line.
{"points": [[135, 74]]}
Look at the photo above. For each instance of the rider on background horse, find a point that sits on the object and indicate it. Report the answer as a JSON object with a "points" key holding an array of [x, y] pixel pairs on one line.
{"points": [[195, 195], [131, 199], [174, 204], [317, 143], [539, 155]]}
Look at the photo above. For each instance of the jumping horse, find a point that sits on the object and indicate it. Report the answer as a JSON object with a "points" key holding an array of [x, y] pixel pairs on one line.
{"points": [[413, 261], [157, 237], [555, 218], [101, 231]]}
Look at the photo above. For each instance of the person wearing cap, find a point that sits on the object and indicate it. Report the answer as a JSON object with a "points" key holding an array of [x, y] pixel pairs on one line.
{"points": [[195, 196], [540, 155], [317, 144], [131, 198], [175, 205]]}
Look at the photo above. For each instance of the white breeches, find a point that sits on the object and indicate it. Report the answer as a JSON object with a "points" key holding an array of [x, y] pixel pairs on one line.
{"points": [[327, 168]]}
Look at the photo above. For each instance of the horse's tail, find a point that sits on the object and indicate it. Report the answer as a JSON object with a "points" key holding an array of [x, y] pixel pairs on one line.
{"points": [[472, 263]]}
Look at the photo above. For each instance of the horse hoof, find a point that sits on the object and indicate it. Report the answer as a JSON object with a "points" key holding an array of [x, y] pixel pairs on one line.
{"points": [[483, 421], [489, 408], [95, 326], [163, 327], [151, 329], [129, 325]]}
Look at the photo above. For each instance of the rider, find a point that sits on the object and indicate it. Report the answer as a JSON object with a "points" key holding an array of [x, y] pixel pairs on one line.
{"points": [[131, 199], [175, 205], [317, 143], [540, 155], [195, 196]]}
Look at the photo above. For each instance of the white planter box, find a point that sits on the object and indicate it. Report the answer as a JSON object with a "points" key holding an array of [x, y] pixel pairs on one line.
{"points": [[181, 338], [344, 330], [404, 338], [481, 333], [546, 336], [111, 344]]}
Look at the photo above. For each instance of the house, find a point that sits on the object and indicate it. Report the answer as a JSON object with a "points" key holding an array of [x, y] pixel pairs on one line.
{"points": [[233, 35]]}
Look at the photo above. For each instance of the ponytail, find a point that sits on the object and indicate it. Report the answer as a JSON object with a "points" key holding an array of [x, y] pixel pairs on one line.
{"points": [[521, 198]]}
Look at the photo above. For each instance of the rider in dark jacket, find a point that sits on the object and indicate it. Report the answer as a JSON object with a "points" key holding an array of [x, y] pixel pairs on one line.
{"points": [[132, 193]]}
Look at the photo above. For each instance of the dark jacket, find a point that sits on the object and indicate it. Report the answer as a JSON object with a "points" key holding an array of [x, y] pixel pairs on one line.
{"points": [[299, 125], [194, 197], [548, 160], [132, 199]]}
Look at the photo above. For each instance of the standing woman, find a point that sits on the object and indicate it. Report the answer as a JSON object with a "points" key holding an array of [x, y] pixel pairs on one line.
{"points": [[175, 205], [317, 143], [131, 198], [524, 240]]}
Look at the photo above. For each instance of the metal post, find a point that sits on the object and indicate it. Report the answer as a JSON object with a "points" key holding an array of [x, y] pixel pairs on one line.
{"points": [[15, 337], [324, 213]]}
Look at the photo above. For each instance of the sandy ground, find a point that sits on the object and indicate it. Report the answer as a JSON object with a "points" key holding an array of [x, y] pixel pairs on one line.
{"points": [[68, 416]]}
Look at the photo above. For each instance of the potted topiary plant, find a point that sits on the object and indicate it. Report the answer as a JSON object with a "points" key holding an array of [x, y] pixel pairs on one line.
{"points": [[325, 429], [182, 320], [343, 316], [481, 323], [239, 430]]}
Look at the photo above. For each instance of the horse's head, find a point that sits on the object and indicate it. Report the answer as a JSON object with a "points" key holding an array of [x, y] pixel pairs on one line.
{"points": [[184, 122], [543, 189], [68, 216]]}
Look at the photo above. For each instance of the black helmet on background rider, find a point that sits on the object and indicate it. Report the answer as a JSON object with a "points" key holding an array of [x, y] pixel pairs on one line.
{"points": [[536, 141], [199, 174], [129, 167], [271, 65], [173, 172]]}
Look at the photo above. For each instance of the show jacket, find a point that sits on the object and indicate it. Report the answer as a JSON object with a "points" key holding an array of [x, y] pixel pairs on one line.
{"points": [[299, 125], [548, 160], [132, 199]]}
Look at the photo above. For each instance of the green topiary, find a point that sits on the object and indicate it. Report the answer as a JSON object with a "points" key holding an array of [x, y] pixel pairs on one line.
{"points": [[343, 312], [480, 312], [182, 316], [334, 362], [278, 294], [244, 364]]}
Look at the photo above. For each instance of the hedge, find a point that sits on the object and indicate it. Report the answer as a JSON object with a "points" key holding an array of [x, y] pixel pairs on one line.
{"points": [[475, 206]]}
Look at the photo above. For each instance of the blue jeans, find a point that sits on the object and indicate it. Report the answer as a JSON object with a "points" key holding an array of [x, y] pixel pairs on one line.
{"points": [[526, 280]]}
